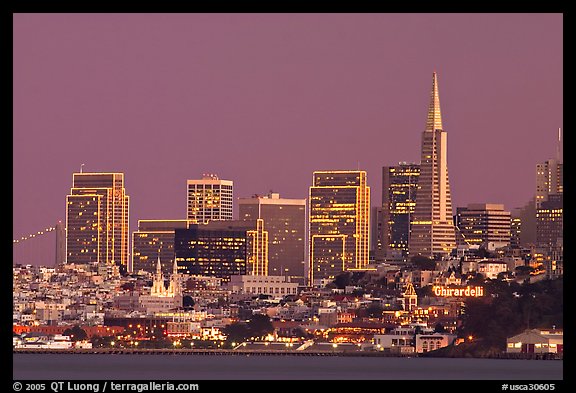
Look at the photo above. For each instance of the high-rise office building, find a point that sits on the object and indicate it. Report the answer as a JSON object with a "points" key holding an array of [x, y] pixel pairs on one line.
{"points": [[155, 239], [484, 223], [399, 189], [285, 221], [97, 220], [377, 250], [550, 175], [221, 248], [339, 217], [209, 199], [550, 226], [432, 231], [516, 228], [549, 180]]}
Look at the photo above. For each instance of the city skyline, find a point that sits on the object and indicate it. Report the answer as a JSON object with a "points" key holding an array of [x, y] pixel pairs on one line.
{"points": [[227, 105]]}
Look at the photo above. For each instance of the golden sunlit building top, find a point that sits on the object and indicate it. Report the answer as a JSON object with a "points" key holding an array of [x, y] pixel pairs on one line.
{"points": [[209, 199], [97, 219], [339, 216]]}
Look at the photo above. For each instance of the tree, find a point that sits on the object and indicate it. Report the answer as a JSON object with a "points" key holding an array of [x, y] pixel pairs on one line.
{"points": [[374, 310], [236, 331], [260, 325], [342, 280], [423, 263], [76, 333], [439, 328], [187, 302], [523, 270], [476, 279], [128, 286]]}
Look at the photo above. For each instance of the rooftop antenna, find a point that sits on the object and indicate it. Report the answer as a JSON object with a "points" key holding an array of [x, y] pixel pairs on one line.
{"points": [[81, 165]]}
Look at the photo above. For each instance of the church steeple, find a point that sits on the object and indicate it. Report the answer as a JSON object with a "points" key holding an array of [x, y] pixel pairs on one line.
{"points": [[174, 287], [434, 120], [158, 267], [158, 284]]}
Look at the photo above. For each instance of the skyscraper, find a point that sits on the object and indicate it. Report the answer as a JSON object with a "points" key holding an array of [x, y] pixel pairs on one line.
{"points": [[209, 199], [484, 223], [550, 226], [285, 221], [399, 189], [338, 223], [221, 248], [550, 175], [549, 180], [432, 227], [97, 219]]}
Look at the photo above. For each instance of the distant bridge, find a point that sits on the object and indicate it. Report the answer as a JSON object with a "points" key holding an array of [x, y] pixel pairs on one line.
{"points": [[36, 248]]}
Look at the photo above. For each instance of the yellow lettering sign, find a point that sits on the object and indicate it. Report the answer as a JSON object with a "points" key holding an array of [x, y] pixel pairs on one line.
{"points": [[458, 292]]}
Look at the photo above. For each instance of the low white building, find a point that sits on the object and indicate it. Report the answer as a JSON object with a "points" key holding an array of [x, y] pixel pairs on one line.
{"points": [[400, 339], [431, 342], [491, 269], [536, 341], [277, 286]]}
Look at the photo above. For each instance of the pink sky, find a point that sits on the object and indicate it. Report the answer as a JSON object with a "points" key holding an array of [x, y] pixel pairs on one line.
{"points": [[266, 99]]}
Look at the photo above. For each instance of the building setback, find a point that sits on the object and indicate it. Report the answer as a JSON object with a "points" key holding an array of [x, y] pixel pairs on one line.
{"points": [[285, 222], [339, 217], [209, 199], [432, 227], [97, 210]]}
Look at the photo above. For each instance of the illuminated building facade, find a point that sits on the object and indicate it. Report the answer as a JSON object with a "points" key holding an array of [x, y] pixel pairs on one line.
{"points": [[219, 249], [432, 231], [209, 199], [550, 226], [285, 221], [339, 217], [399, 189], [482, 223], [97, 220], [258, 250], [515, 228], [154, 239], [550, 175], [377, 252]]}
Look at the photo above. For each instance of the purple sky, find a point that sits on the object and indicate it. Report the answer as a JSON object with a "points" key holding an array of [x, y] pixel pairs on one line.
{"points": [[266, 99]]}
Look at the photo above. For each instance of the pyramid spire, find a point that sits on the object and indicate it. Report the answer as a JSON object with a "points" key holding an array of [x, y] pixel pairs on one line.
{"points": [[434, 120]]}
